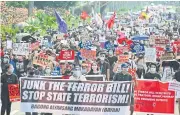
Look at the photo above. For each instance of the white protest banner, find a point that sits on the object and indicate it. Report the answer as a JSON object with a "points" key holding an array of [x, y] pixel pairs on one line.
{"points": [[75, 97], [9, 44], [21, 48], [150, 54]]}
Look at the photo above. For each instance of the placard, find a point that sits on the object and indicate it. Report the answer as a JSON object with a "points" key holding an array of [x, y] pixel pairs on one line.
{"points": [[174, 86], [42, 60], [162, 41], [123, 58], [150, 54], [14, 93], [75, 97], [67, 55], [150, 95], [167, 57], [88, 54], [9, 44], [121, 50], [21, 48]]}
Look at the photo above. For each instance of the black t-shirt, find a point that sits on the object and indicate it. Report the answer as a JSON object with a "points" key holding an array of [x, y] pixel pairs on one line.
{"points": [[112, 60], [152, 76], [6, 80], [122, 77], [177, 76]]}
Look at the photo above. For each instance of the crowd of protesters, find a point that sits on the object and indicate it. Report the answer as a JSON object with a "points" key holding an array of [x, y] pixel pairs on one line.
{"points": [[104, 41]]}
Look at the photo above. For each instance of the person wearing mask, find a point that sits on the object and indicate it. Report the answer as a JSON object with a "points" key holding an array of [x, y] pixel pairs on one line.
{"points": [[123, 75], [39, 71], [112, 60], [141, 67], [5, 61], [104, 66], [21, 66], [152, 74], [47, 71], [177, 79], [77, 75], [7, 78], [31, 74], [94, 69]]}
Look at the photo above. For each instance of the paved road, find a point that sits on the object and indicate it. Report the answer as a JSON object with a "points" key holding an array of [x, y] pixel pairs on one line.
{"points": [[16, 109]]}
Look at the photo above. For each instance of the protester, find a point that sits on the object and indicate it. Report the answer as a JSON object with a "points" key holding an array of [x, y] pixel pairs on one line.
{"points": [[152, 74], [7, 78], [94, 69], [123, 75], [77, 75]]}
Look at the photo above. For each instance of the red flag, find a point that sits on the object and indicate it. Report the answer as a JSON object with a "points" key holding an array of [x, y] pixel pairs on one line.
{"points": [[84, 15], [110, 22]]}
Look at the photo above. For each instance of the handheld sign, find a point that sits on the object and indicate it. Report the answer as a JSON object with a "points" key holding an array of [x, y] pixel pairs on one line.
{"points": [[150, 55], [21, 48], [14, 93], [67, 55]]}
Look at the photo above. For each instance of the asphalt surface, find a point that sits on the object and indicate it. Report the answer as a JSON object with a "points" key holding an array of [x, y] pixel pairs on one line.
{"points": [[15, 110]]}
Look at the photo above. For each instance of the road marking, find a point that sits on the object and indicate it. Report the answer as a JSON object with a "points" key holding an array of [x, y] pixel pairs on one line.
{"points": [[14, 112]]}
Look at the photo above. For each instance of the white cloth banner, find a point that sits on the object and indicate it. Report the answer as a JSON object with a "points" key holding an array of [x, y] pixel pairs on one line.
{"points": [[9, 44], [21, 48]]}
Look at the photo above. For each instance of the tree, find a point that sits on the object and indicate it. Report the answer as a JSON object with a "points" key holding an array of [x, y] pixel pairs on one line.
{"points": [[54, 4], [20, 4]]}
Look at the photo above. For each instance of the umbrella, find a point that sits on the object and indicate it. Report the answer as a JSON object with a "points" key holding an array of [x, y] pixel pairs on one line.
{"points": [[141, 37]]}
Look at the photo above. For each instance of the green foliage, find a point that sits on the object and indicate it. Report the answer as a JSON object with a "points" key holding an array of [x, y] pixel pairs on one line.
{"points": [[8, 30], [54, 4], [18, 4]]}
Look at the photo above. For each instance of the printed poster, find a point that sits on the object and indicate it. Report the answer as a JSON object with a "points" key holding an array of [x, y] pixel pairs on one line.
{"points": [[88, 54], [150, 54], [121, 50], [123, 58], [150, 95], [42, 60], [75, 97], [14, 93], [21, 48], [67, 55]]}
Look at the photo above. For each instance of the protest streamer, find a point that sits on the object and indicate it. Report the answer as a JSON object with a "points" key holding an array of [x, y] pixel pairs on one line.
{"points": [[150, 95], [150, 55], [75, 97], [67, 55], [88, 54], [21, 48], [14, 93], [42, 60], [34, 46]]}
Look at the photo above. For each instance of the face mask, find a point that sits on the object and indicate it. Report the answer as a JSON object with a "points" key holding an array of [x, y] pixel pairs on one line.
{"points": [[153, 70], [48, 71], [125, 70], [84, 71], [94, 67], [102, 58], [77, 73], [118, 70], [11, 70], [110, 53]]}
